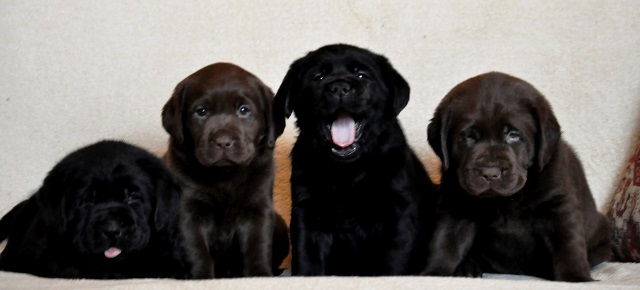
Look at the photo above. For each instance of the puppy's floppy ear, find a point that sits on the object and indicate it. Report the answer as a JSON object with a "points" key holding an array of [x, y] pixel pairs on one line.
{"points": [[266, 103], [172, 113], [397, 85], [167, 191], [267, 95], [168, 201], [438, 134], [548, 131], [283, 103], [52, 197]]}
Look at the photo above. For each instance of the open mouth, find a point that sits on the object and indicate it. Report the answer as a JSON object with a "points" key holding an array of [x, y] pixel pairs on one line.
{"points": [[345, 132]]}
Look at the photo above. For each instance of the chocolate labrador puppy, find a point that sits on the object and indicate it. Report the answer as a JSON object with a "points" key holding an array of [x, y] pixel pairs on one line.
{"points": [[515, 197], [221, 145], [105, 211], [359, 193]]}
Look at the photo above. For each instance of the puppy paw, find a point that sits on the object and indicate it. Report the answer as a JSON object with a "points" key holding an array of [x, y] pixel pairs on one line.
{"points": [[573, 277], [468, 268]]}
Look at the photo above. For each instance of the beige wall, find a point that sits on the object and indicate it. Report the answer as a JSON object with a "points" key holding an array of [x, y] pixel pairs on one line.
{"points": [[74, 72]]}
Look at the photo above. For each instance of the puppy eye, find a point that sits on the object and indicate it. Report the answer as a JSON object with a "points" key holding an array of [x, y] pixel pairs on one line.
{"points": [[318, 76], [512, 136], [244, 111], [360, 73], [88, 198], [469, 138], [131, 195], [201, 111]]}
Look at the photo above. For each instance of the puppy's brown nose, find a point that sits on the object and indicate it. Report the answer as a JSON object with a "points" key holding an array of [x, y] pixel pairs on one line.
{"points": [[224, 142], [490, 173]]}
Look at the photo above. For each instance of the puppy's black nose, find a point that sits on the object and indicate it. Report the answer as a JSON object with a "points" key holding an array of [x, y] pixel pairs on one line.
{"points": [[490, 173], [339, 89], [112, 231]]}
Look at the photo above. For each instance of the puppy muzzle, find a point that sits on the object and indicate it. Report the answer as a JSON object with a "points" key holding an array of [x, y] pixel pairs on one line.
{"points": [[223, 148], [490, 180]]}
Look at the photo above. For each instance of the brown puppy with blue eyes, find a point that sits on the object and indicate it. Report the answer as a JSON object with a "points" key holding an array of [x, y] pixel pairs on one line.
{"points": [[221, 145], [515, 199]]}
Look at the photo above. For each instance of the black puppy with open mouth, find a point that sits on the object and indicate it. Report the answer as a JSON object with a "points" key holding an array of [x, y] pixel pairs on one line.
{"points": [[359, 193]]}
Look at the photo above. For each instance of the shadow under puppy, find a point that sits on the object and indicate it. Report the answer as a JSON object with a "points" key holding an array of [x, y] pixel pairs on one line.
{"points": [[515, 197], [221, 144], [359, 193], [108, 210]]}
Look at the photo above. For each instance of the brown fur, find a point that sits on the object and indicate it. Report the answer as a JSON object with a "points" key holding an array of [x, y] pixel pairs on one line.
{"points": [[222, 141], [515, 197]]}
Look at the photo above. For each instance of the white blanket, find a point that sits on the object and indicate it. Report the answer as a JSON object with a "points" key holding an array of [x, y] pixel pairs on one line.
{"points": [[610, 276]]}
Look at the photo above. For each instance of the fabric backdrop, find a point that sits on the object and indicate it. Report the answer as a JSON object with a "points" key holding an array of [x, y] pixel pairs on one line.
{"points": [[74, 72]]}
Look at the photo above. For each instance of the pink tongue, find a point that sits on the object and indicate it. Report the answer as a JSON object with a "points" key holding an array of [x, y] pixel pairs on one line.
{"points": [[112, 252], [343, 130]]}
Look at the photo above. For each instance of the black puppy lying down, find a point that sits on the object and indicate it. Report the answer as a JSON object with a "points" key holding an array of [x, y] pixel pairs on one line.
{"points": [[108, 210], [515, 197]]}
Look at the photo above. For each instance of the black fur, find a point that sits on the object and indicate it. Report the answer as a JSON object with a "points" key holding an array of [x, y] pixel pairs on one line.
{"points": [[358, 208], [102, 198]]}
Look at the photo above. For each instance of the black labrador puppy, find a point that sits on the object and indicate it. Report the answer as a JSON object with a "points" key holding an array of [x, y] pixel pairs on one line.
{"points": [[515, 197], [108, 210], [221, 145], [359, 193]]}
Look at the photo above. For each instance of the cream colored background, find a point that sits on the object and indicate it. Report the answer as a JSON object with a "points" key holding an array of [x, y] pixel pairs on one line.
{"points": [[74, 72]]}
